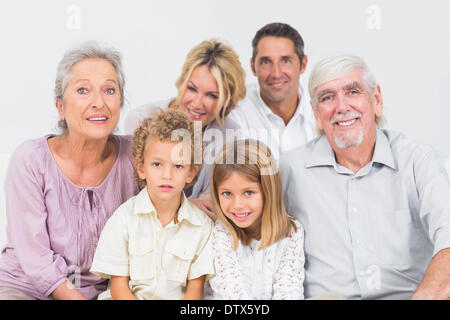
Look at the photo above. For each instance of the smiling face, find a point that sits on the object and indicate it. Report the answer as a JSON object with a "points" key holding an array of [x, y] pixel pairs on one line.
{"points": [[91, 101], [346, 110], [201, 96], [278, 69], [242, 201], [165, 169]]}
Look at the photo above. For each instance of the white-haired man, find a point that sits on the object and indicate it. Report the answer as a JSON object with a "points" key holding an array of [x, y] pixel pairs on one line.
{"points": [[375, 205]]}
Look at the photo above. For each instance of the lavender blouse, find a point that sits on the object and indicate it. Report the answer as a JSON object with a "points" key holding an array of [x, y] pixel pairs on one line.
{"points": [[53, 226]]}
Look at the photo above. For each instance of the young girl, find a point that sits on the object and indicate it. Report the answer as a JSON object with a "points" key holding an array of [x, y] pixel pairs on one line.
{"points": [[257, 247], [157, 244]]}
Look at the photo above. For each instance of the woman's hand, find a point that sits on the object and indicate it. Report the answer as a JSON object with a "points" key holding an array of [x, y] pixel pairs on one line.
{"points": [[67, 291], [205, 204]]}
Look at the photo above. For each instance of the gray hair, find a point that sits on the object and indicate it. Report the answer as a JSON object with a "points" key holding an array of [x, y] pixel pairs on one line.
{"points": [[338, 66], [87, 50]]}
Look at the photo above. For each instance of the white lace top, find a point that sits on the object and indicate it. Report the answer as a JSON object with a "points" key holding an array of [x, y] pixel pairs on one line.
{"points": [[276, 272]]}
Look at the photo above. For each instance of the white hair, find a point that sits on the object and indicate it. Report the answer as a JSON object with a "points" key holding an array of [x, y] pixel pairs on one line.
{"points": [[335, 67]]}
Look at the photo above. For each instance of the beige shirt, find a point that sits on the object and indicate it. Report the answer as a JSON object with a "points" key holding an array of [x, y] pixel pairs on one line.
{"points": [[157, 259]]}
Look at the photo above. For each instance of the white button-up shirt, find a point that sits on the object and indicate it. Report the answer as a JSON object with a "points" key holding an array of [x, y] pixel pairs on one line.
{"points": [[369, 234], [256, 120], [157, 259]]}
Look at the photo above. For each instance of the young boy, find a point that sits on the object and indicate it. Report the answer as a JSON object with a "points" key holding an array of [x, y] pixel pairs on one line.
{"points": [[157, 244]]}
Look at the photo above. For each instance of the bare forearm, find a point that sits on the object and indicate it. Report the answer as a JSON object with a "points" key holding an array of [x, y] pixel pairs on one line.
{"points": [[67, 291], [122, 294], [120, 289], [436, 282], [194, 289]]}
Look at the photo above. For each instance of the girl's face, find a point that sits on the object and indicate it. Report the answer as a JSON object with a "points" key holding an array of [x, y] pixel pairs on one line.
{"points": [[242, 201], [200, 98]]}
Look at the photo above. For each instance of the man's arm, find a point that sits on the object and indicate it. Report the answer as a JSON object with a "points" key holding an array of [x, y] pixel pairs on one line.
{"points": [[436, 282], [433, 187]]}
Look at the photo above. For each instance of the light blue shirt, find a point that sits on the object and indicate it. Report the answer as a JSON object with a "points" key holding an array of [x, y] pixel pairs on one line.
{"points": [[369, 235]]}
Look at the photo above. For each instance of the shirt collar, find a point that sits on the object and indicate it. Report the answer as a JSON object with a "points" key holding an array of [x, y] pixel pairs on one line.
{"points": [[323, 155], [144, 205], [383, 151], [299, 111]]}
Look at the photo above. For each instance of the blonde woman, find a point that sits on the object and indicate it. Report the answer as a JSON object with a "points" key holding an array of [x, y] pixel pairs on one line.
{"points": [[211, 83], [257, 246]]}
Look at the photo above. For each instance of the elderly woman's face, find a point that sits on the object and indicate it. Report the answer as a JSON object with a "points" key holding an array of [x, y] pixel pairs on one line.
{"points": [[200, 98], [91, 102]]}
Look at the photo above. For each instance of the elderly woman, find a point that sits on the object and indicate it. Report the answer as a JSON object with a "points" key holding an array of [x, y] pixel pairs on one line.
{"points": [[211, 83], [61, 189]]}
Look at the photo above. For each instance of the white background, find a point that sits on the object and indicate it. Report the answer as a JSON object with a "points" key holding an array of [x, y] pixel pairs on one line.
{"points": [[405, 43]]}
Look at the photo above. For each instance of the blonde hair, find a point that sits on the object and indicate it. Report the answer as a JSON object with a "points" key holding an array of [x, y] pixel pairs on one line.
{"points": [[257, 165], [223, 63], [164, 126]]}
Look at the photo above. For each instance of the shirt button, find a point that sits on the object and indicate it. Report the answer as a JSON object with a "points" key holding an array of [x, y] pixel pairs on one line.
{"points": [[358, 242], [355, 210], [362, 273]]}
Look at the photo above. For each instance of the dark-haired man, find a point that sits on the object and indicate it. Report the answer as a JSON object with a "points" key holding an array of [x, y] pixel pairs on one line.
{"points": [[276, 109]]}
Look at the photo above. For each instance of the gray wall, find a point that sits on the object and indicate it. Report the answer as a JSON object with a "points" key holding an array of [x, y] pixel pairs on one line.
{"points": [[406, 43]]}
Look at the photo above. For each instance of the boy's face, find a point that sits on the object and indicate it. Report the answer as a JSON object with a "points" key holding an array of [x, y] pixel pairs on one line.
{"points": [[165, 169]]}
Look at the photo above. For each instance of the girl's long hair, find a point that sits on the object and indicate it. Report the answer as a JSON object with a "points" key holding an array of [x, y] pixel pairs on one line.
{"points": [[253, 160]]}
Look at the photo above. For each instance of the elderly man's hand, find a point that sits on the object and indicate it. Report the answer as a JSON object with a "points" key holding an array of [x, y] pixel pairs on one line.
{"points": [[436, 282], [205, 204]]}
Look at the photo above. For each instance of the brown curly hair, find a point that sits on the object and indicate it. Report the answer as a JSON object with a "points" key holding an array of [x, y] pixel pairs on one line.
{"points": [[168, 125]]}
